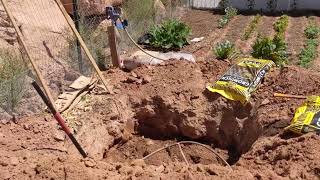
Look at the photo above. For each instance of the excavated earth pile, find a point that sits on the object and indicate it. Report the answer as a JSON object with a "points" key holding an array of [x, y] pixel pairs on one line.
{"points": [[157, 105]]}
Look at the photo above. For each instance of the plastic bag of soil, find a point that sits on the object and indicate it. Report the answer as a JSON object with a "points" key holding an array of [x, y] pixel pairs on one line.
{"points": [[241, 79], [307, 117]]}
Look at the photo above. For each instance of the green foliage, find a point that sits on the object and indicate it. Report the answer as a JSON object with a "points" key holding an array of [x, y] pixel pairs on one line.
{"points": [[252, 27], [230, 13], [312, 31], [171, 34], [223, 50], [273, 49], [13, 74], [281, 24], [308, 53]]}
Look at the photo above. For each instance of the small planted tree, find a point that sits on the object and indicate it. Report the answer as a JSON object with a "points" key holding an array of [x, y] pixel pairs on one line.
{"points": [[170, 35]]}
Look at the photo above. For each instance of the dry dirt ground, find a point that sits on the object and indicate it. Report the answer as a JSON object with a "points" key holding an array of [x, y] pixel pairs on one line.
{"points": [[154, 107]]}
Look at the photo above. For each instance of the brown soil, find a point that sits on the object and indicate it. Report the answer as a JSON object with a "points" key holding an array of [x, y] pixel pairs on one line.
{"points": [[295, 37], [155, 106], [266, 27]]}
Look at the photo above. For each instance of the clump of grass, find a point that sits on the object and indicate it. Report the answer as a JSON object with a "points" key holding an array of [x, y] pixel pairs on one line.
{"points": [[224, 50], [252, 27], [13, 73]]}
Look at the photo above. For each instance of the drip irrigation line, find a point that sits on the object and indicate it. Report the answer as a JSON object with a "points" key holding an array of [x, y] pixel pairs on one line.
{"points": [[137, 45], [188, 142]]}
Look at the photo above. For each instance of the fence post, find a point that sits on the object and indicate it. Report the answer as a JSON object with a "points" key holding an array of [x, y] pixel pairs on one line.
{"points": [[76, 19], [113, 46]]}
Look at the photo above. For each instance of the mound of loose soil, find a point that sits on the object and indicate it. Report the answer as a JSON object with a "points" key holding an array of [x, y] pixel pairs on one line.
{"points": [[166, 102]]}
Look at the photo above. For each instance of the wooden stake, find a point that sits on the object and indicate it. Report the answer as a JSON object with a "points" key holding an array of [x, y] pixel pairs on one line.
{"points": [[289, 96], [83, 45], [19, 34], [113, 46]]}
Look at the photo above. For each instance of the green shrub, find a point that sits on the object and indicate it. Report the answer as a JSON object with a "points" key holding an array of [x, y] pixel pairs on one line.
{"points": [[281, 24], [13, 72], [272, 49], [312, 31], [223, 50], [230, 13], [251, 28], [171, 34]]}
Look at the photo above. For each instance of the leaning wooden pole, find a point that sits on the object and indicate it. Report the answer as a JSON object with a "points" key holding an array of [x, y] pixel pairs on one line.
{"points": [[83, 45], [19, 34]]}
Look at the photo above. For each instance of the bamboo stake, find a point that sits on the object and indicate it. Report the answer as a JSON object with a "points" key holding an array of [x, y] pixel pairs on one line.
{"points": [[19, 34], [83, 45], [289, 96]]}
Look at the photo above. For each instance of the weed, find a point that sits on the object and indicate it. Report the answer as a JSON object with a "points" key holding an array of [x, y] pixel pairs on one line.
{"points": [[230, 13], [223, 50], [13, 73], [171, 34], [251, 28]]}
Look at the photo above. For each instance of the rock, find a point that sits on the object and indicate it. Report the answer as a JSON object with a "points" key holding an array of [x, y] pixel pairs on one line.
{"points": [[149, 142], [89, 163], [160, 11], [14, 161], [59, 136], [26, 127], [139, 162], [146, 79], [3, 163], [265, 102], [134, 74], [160, 169], [91, 7], [5, 174]]}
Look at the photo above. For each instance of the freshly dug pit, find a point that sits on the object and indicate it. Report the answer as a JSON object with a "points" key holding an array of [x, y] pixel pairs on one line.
{"points": [[175, 103]]}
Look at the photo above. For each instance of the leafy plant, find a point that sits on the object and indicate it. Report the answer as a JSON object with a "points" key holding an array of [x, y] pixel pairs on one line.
{"points": [[273, 49], [252, 27], [308, 53], [230, 13], [13, 73], [312, 31], [171, 34], [223, 50], [281, 24]]}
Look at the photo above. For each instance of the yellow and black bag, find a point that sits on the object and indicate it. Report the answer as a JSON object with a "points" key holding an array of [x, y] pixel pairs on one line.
{"points": [[307, 117], [241, 79]]}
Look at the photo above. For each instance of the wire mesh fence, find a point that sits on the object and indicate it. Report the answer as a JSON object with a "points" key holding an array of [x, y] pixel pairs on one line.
{"points": [[55, 48]]}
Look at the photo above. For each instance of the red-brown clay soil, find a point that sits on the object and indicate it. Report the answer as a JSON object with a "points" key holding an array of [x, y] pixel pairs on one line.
{"points": [[156, 106]]}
